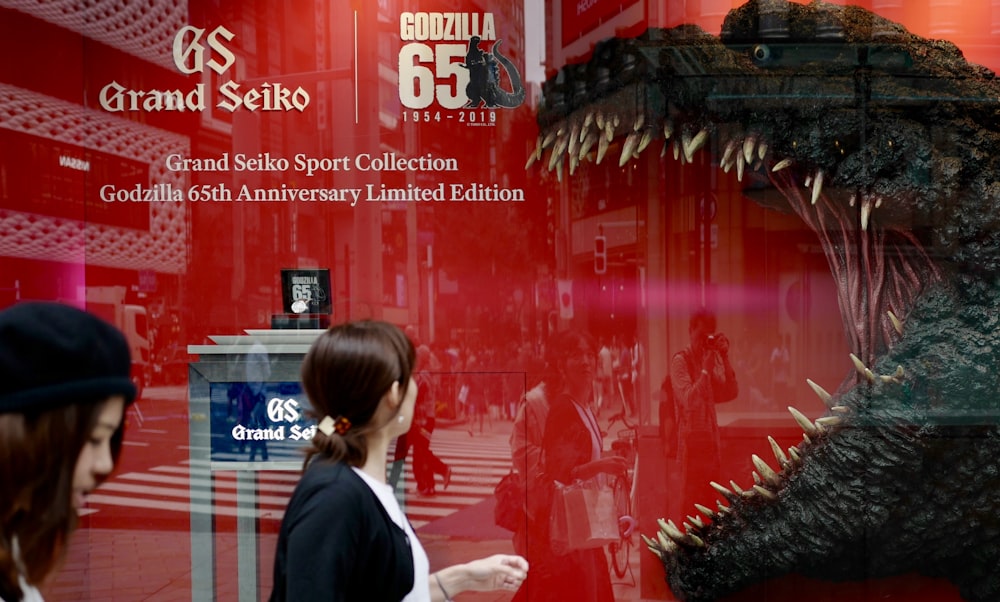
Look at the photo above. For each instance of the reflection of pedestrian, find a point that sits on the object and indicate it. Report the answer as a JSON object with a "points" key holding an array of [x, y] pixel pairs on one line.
{"points": [[702, 376], [344, 535], [570, 448], [781, 369], [251, 400], [426, 464], [64, 386]]}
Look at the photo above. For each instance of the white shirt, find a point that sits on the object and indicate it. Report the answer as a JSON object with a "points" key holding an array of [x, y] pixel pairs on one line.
{"points": [[29, 593], [421, 591]]}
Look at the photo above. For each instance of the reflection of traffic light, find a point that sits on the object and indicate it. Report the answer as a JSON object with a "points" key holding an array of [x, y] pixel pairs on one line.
{"points": [[600, 254]]}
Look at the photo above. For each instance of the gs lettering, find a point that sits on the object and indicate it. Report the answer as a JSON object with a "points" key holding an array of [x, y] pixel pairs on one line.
{"points": [[190, 56]]}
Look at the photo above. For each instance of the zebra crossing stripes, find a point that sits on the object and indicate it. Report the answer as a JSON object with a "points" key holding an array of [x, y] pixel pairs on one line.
{"points": [[194, 487]]}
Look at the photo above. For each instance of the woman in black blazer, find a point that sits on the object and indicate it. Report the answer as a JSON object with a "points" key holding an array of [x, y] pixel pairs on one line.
{"points": [[344, 536]]}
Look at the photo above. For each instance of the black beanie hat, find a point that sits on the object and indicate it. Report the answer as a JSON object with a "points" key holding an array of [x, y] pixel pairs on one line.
{"points": [[53, 355]]}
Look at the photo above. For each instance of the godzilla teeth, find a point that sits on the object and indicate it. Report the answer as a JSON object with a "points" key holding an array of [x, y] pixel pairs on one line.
{"points": [[639, 122], [727, 155], [895, 322], [748, 147], [817, 186], [706, 511], [829, 421], [588, 120], [599, 120], [665, 543], [821, 392], [653, 546], [858, 364], [668, 129], [602, 148], [724, 491], [647, 137], [531, 160], [766, 472], [586, 145], [693, 144], [778, 454], [767, 493], [782, 164], [866, 212], [671, 531], [807, 426], [628, 148], [740, 165], [549, 139], [574, 141], [762, 150]]}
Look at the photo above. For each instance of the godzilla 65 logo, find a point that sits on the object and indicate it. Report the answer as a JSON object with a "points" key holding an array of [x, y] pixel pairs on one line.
{"points": [[446, 60]]}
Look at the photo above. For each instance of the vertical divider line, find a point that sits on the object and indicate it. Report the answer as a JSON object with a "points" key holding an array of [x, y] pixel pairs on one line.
{"points": [[356, 108]]}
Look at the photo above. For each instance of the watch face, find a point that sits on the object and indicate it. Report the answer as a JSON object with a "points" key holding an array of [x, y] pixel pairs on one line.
{"points": [[299, 306]]}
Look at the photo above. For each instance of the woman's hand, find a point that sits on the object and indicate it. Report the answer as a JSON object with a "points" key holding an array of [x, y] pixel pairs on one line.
{"points": [[500, 571], [614, 465]]}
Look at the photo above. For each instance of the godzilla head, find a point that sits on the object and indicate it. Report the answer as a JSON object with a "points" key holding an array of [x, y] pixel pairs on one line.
{"points": [[886, 145]]}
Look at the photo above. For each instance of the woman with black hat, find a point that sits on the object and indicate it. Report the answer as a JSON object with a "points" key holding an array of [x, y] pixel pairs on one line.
{"points": [[64, 386]]}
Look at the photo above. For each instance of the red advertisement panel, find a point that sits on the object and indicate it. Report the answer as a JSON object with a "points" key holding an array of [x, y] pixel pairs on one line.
{"points": [[708, 314]]}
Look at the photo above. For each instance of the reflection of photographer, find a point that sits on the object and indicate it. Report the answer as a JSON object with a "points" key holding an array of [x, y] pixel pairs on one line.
{"points": [[702, 376]]}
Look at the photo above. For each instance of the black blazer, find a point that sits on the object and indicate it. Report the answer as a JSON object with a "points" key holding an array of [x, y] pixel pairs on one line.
{"points": [[337, 542]]}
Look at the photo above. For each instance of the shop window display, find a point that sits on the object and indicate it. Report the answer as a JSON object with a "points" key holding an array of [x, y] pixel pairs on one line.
{"points": [[222, 181]]}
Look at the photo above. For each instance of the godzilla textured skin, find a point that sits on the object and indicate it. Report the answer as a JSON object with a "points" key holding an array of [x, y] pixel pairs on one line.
{"points": [[887, 146]]}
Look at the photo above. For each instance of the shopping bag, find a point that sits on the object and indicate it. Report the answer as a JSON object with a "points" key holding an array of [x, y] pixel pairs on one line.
{"points": [[583, 515], [509, 512]]}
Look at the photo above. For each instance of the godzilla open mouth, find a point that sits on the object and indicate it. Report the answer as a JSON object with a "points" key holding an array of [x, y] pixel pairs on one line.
{"points": [[878, 265], [838, 119]]}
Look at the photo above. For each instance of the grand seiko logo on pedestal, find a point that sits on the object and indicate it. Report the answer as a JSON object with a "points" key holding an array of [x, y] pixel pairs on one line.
{"points": [[278, 411]]}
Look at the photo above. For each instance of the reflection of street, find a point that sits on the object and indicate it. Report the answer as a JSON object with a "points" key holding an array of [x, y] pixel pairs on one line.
{"points": [[152, 486], [140, 517]]}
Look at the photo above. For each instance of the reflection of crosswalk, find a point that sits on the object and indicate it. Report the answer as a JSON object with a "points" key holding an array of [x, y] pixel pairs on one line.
{"points": [[191, 487], [476, 464]]}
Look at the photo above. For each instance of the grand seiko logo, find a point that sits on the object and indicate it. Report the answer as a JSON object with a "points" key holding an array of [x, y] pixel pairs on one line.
{"points": [[190, 47]]}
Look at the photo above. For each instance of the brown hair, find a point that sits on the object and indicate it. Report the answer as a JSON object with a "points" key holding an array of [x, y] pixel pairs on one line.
{"points": [[38, 455], [345, 374]]}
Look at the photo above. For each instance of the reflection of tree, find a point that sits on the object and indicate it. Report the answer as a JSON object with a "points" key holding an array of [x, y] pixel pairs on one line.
{"points": [[503, 242], [491, 250]]}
